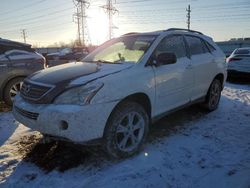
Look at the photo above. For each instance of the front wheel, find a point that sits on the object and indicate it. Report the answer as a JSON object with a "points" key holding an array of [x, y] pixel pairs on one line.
{"points": [[126, 130], [12, 88], [213, 95]]}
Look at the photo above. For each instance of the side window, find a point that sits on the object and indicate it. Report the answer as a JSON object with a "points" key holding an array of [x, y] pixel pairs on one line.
{"points": [[3, 49], [173, 44], [210, 47], [204, 47], [16, 53], [195, 45]]}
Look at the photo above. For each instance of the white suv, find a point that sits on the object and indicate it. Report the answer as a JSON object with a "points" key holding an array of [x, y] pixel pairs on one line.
{"points": [[123, 86]]}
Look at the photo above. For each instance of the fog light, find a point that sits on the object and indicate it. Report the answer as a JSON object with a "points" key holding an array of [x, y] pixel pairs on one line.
{"points": [[63, 125]]}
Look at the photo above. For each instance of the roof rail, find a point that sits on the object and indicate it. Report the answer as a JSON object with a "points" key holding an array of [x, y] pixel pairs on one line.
{"points": [[187, 30], [131, 33]]}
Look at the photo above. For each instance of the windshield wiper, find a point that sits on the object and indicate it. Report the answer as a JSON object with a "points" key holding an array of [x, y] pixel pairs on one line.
{"points": [[104, 61]]}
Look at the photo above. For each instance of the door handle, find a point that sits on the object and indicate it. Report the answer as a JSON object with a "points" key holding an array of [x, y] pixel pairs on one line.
{"points": [[189, 66]]}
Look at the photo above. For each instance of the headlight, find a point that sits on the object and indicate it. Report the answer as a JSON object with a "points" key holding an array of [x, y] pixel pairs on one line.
{"points": [[80, 95]]}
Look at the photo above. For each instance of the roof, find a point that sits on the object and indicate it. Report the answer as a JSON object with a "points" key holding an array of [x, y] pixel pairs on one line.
{"points": [[179, 30], [6, 42]]}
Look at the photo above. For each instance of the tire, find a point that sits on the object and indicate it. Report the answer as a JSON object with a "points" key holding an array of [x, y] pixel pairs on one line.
{"points": [[213, 95], [11, 89], [126, 130]]}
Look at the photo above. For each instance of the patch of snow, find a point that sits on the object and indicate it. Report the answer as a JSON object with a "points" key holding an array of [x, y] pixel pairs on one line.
{"points": [[187, 149]]}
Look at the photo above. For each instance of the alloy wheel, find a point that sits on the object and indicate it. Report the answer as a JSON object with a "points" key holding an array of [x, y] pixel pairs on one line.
{"points": [[215, 94], [129, 132], [15, 89]]}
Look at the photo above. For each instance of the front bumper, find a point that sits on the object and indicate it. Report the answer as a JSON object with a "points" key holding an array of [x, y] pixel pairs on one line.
{"points": [[73, 122]]}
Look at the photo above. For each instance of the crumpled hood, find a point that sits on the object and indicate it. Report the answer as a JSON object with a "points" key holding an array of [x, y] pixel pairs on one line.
{"points": [[76, 73]]}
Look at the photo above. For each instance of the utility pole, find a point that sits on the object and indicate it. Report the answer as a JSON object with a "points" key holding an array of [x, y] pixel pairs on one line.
{"points": [[24, 36], [110, 10], [188, 16], [81, 6], [76, 17]]}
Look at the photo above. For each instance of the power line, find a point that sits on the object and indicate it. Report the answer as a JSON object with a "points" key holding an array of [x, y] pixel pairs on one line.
{"points": [[35, 18], [197, 9], [110, 10], [32, 13], [54, 23], [184, 3], [24, 7]]}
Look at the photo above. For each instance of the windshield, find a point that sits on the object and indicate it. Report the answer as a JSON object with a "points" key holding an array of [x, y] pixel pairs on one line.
{"points": [[66, 51], [124, 49]]}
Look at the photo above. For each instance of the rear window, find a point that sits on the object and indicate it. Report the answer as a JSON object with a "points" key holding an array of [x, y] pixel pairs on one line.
{"points": [[4, 48], [242, 52]]}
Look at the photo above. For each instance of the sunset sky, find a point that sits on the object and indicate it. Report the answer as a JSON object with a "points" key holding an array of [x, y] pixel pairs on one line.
{"points": [[50, 21]]}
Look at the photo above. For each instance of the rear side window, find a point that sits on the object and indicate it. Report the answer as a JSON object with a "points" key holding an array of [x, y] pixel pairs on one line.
{"points": [[173, 44], [210, 47], [242, 52], [17, 53], [204, 47], [195, 45]]}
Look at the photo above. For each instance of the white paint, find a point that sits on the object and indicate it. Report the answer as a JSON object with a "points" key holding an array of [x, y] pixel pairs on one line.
{"points": [[167, 86]]}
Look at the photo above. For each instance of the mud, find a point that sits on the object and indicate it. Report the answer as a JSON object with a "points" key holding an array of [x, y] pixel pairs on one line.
{"points": [[58, 155]]}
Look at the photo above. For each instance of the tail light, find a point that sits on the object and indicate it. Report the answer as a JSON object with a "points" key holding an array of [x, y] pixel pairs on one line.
{"points": [[230, 59]]}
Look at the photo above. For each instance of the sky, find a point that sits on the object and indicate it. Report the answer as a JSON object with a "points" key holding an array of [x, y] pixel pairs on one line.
{"points": [[50, 21]]}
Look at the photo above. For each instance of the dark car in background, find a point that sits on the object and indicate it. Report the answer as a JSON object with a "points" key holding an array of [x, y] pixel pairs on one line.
{"points": [[17, 61], [65, 55]]}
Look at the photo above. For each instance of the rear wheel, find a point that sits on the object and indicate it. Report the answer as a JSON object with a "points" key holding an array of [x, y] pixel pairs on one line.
{"points": [[12, 88], [126, 130], [213, 95]]}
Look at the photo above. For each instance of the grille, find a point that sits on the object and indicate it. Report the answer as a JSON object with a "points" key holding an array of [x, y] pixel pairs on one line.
{"points": [[30, 115], [33, 91]]}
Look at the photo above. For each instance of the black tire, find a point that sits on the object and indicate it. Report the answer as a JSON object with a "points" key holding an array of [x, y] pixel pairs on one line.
{"points": [[7, 94], [213, 95], [119, 131]]}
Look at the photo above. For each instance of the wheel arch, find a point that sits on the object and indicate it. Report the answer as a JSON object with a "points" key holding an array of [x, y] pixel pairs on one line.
{"points": [[140, 98], [220, 77], [5, 83]]}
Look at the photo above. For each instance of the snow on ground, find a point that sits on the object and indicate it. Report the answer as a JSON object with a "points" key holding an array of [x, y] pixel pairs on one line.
{"points": [[190, 148]]}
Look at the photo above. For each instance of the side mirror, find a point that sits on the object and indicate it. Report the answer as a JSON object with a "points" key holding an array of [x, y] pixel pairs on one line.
{"points": [[166, 58]]}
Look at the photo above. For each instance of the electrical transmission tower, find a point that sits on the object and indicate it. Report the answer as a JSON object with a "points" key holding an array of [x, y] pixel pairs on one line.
{"points": [[110, 10], [80, 17], [24, 35], [188, 16]]}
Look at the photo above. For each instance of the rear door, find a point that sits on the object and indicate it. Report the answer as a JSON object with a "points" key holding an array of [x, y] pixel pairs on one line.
{"points": [[174, 82], [21, 59], [202, 63]]}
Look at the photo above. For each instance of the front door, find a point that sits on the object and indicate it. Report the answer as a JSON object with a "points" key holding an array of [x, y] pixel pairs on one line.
{"points": [[174, 82]]}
